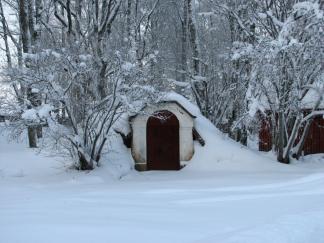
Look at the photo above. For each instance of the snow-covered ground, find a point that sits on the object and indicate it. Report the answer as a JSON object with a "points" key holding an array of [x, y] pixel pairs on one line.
{"points": [[226, 194]]}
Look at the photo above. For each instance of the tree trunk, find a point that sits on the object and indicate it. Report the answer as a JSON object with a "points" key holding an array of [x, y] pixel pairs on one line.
{"points": [[292, 139], [102, 86], [5, 35], [38, 14], [39, 131], [184, 41], [128, 20], [244, 136], [20, 54], [193, 39], [78, 9], [25, 34], [23, 22], [84, 163], [281, 139], [31, 25], [69, 18], [32, 137]]}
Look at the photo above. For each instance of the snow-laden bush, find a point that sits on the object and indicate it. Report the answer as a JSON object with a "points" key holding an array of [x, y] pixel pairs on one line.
{"points": [[78, 111], [287, 69]]}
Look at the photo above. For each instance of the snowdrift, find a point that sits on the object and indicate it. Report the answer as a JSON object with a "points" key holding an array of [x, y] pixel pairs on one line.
{"points": [[226, 193], [220, 153]]}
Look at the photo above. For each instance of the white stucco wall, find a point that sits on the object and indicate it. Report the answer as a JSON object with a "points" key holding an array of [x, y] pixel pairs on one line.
{"points": [[186, 123]]}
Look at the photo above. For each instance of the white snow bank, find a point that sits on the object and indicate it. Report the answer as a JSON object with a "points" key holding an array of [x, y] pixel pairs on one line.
{"points": [[221, 152], [226, 194], [296, 228], [118, 162], [17, 160]]}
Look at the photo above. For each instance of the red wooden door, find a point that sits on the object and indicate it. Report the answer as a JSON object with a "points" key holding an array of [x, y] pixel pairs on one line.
{"points": [[162, 141]]}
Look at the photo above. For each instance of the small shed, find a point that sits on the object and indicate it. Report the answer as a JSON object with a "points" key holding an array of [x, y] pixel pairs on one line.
{"points": [[162, 136], [314, 142]]}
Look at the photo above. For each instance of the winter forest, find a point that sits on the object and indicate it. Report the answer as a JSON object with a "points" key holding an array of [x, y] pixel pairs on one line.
{"points": [[77, 66], [238, 92]]}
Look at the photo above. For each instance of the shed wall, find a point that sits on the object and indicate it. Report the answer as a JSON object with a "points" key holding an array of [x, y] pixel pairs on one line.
{"points": [[314, 142], [138, 125]]}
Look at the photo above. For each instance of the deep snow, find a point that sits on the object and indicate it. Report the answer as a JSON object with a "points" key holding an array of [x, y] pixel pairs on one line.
{"points": [[227, 193]]}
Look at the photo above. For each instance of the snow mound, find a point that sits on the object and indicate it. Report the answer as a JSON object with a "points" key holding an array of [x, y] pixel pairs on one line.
{"points": [[220, 152], [118, 162], [17, 160]]}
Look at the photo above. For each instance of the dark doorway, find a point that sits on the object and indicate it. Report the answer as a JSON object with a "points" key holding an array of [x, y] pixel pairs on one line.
{"points": [[162, 141]]}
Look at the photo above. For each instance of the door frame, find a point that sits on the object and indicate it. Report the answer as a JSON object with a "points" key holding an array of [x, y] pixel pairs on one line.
{"points": [[154, 122]]}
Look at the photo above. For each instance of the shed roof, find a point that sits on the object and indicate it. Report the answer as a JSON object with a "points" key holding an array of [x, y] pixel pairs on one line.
{"points": [[311, 99], [166, 102]]}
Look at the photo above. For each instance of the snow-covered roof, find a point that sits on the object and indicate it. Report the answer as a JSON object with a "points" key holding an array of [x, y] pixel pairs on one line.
{"points": [[310, 100], [314, 92], [182, 101], [178, 99], [122, 124]]}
